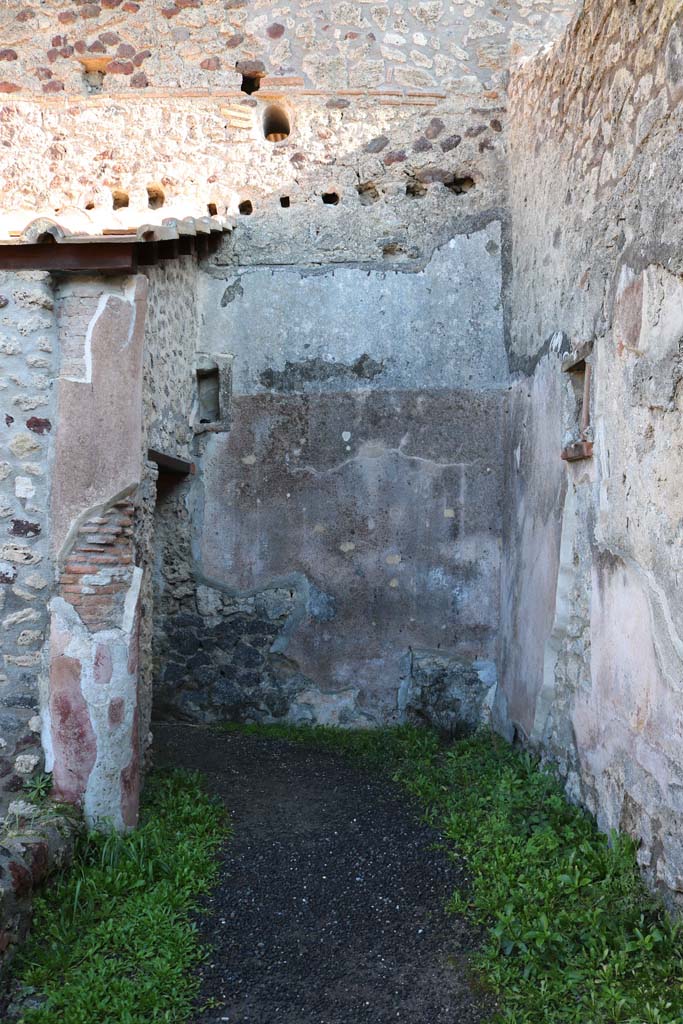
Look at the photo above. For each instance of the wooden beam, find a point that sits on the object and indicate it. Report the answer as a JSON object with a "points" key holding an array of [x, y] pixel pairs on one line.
{"points": [[104, 257], [578, 451]]}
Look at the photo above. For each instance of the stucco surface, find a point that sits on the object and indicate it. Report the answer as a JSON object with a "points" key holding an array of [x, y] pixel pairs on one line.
{"points": [[100, 410], [388, 503], [439, 327]]}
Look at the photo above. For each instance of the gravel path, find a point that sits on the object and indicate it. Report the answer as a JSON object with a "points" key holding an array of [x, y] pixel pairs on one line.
{"points": [[329, 908]]}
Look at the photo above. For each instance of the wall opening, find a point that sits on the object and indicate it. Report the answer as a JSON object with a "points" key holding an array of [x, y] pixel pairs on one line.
{"points": [[330, 198], [416, 189], [285, 202], [212, 209], [460, 185], [119, 199], [155, 197], [368, 193], [250, 83], [208, 392], [276, 125], [246, 207]]}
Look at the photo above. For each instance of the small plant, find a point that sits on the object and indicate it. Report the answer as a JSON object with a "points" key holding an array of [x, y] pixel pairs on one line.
{"points": [[38, 788], [113, 938]]}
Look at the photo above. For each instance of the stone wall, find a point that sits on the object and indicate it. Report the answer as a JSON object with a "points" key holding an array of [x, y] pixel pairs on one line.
{"points": [[115, 45], [28, 359], [325, 560], [212, 150], [169, 396], [346, 528], [592, 651], [90, 713]]}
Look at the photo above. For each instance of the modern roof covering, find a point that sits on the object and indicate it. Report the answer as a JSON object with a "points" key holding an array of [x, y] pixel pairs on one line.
{"points": [[109, 241]]}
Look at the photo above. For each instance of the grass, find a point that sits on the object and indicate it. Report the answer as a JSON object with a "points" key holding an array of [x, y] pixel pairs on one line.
{"points": [[113, 940], [572, 936]]}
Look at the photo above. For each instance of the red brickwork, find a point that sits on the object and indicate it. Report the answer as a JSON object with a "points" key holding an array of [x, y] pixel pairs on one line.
{"points": [[97, 573]]}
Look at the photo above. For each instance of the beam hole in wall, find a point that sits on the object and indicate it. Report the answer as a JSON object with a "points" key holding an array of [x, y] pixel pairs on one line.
{"points": [[368, 193], [155, 197], [285, 202], [416, 189], [276, 125], [212, 209], [119, 199], [330, 198], [246, 207], [90, 205], [250, 83], [460, 185]]}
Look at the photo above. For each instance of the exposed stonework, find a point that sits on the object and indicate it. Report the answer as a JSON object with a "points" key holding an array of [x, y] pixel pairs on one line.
{"points": [[28, 355], [379, 144], [451, 694], [115, 45], [36, 841]]}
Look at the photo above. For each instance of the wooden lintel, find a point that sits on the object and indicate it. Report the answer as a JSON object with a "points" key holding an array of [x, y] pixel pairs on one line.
{"points": [[104, 257], [170, 463]]}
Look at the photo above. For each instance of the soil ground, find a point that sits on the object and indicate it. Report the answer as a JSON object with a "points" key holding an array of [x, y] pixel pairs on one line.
{"points": [[330, 903]]}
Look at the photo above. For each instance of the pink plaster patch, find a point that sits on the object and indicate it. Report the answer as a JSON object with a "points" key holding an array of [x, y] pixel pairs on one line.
{"points": [[103, 667], [628, 312], [75, 746], [130, 780], [117, 708]]}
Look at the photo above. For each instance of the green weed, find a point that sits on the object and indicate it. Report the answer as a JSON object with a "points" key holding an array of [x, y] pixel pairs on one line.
{"points": [[113, 940], [573, 937], [37, 788]]}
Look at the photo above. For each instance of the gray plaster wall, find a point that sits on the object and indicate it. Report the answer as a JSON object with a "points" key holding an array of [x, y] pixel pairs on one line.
{"points": [[297, 330], [592, 646], [377, 515], [347, 527]]}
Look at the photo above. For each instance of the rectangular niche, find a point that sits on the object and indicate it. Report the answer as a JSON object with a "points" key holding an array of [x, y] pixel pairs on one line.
{"points": [[214, 388]]}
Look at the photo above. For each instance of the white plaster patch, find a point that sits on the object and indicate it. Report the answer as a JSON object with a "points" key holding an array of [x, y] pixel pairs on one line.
{"points": [[25, 615], [115, 742], [25, 763], [23, 487]]}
